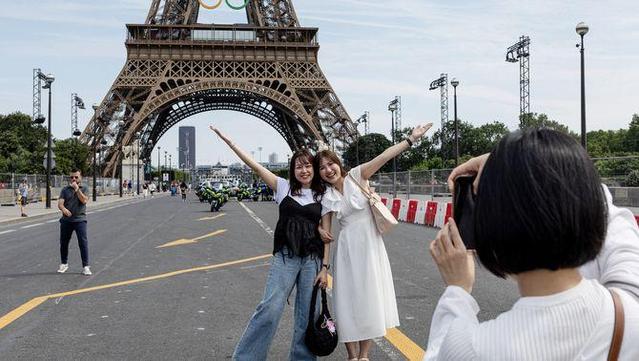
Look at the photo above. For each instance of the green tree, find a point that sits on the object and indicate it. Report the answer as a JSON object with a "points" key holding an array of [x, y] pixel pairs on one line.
{"points": [[22, 144], [530, 120], [632, 136], [368, 146], [69, 154], [422, 149]]}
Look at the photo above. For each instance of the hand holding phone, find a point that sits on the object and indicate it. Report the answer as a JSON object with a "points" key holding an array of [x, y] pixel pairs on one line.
{"points": [[464, 209]]}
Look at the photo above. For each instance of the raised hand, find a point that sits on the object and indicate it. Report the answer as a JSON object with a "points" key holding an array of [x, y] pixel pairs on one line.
{"points": [[220, 134], [419, 131]]}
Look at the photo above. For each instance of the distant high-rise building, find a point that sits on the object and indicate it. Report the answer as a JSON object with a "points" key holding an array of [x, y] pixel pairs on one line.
{"points": [[272, 158], [187, 148]]}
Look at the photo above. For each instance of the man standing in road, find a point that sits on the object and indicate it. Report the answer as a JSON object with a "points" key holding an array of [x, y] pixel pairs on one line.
{"points": [[72, 202]]}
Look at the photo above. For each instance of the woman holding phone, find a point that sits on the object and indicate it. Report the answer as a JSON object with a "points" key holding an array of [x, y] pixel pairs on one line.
{"points": [[364, 295], [543, 219], [298, 255]]}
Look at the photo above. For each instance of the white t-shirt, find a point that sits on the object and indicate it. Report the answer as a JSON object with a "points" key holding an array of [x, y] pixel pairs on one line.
{"points": [[284, 189]]}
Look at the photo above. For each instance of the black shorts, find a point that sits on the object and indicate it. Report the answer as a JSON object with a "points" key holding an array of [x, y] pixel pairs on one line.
{"points": [[23, 201]]}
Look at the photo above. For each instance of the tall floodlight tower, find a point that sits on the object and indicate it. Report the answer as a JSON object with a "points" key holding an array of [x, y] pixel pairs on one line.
{"points": [[364, 119], [76, 103], [520, 51], [442, 84], [37, 116]]}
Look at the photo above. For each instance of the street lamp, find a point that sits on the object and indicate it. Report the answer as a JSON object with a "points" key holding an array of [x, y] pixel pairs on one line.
{"points": [[393, 107], [121, 125], [159, 170], [138, 136], [454, 82], [582, 29], [95, 163], [48, 79]]}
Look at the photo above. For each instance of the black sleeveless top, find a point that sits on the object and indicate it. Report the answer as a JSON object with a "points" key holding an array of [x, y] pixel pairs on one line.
{"points": [[297, 229]]}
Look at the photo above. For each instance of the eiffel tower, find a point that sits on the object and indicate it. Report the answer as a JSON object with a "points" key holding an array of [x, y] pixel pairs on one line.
{"points": [[177, 68]]}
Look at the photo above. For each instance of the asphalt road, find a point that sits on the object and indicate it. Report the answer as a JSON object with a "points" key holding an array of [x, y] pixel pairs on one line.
{"points": [[198, 314]]}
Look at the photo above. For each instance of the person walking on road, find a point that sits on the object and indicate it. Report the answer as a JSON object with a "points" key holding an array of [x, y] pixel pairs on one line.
{"points": [[298, 256], [72, 203], [145, 189], [152, 189], [364, 294], [23, 192], [183, 189]]}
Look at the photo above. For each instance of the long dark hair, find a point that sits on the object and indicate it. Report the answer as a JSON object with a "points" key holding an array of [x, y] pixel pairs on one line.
{"points": [[317, 186]]}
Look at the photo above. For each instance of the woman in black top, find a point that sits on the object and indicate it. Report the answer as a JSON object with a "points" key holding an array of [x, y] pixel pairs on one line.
{"points": [[298, 255]]}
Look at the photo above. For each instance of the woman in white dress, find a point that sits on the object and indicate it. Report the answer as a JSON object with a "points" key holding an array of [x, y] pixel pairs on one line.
{"points": [[364, 295]]}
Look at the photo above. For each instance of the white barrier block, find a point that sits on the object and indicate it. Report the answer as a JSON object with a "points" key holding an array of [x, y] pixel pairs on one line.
{"points": [[403, 210], [440, 217], [420, 216]]}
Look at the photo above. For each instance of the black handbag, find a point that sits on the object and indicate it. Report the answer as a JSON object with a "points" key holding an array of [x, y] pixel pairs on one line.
{"points": [[321, 335]]}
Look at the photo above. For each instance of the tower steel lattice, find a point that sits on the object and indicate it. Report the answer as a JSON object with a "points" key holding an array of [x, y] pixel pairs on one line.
{"points": [[37, 115], [364, 119], [442, 84], [520, 52], [76, 103], [177, 67]]}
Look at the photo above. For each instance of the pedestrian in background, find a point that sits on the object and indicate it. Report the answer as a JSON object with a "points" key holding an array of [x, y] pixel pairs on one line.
{"points": [[72, 203], [145, 189], [23, 193]]}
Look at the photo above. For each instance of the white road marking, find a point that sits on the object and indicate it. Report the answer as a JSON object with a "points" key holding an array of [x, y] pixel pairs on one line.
{"points": [[8, 231], [51, 221], [31, 225], [257, 219]]}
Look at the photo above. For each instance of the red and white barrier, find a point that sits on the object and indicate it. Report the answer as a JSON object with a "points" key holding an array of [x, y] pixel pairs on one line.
{"points": [[428, 213]]}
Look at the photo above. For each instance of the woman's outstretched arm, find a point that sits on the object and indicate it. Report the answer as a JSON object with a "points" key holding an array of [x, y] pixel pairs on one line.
{"points": [[371, 167], [269, 178]]}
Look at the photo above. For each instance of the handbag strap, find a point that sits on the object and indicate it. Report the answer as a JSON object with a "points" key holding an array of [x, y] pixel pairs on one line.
{"points": [[617, 334], [366, 192], [311, 311]]}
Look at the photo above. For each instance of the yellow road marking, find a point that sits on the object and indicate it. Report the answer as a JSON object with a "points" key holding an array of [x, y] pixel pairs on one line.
{"points": [[23, 309], [20, 311], [405, 345], [182, 241], [212, 218]]}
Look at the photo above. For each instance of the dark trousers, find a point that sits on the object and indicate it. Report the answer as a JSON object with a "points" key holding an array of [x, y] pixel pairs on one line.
{"points": [[66, 230]]}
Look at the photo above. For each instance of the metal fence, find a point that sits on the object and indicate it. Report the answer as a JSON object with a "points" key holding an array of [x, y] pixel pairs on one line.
{"points": [[429, 184], [10, 182]]}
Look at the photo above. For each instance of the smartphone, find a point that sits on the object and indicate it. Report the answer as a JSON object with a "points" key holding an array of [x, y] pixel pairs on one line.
{"points": [[464, 209]]}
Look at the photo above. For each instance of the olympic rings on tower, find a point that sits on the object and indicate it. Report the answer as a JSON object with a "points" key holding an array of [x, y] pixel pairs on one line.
{"points": [[219, 2]]}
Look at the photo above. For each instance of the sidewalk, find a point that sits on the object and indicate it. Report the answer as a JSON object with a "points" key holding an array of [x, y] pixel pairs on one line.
{"points": [[11, 214]]}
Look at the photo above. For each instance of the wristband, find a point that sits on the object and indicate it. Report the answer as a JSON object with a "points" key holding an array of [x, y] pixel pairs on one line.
{"points": [[410, 142], [328, 266]]}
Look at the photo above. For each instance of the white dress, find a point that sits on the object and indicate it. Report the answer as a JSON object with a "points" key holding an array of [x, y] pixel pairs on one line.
{"points": [[364, 295]]}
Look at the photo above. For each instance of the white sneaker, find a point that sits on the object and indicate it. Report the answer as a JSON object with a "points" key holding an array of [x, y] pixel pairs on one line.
{"points": [[86, 271], [63, 268]]}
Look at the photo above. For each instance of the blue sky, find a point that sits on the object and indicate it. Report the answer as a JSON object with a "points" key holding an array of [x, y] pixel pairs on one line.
{"points": [[370, 51]]}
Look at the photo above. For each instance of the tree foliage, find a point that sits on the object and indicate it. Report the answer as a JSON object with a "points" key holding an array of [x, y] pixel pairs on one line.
{"points": [[366, 148], [22, 144]]}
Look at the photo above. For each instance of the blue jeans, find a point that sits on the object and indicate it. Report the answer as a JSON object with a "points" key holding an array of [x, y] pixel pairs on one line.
{"points": [[66, 230], [285, 272]]}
